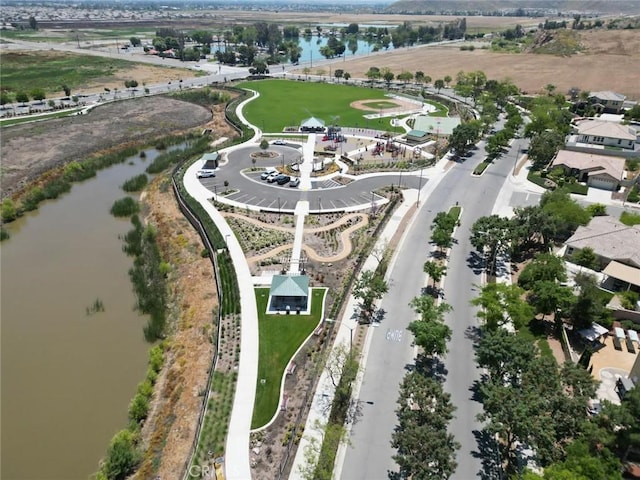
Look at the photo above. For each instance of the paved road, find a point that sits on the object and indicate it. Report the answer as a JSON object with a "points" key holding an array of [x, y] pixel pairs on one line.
{"points": [[370, 456], [326, 195]]}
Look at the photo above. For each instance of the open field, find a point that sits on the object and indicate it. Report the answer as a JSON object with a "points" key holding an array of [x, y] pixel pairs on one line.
{"points": [[304, 99], [611, 61], [280, 337], [49, 70]]}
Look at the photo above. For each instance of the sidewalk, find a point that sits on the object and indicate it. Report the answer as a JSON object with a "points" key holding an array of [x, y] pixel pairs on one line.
{"points": [[237, 462]]}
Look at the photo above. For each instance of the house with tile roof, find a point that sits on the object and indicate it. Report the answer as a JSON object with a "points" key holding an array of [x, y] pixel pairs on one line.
{"points": [[610, 239], [599, 171], [606, 133], [607, 101]]}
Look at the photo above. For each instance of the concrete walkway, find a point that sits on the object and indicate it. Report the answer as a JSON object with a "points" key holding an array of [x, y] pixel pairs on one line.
{"points": [[306, 167], [301, 212], [237, 448]]}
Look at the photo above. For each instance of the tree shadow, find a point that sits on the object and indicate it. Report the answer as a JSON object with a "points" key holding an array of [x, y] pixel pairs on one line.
{"points": [[394, 475], [432, 367], [432, 291], [489, 454], [473, 333], [476, 390], [476, 262]]}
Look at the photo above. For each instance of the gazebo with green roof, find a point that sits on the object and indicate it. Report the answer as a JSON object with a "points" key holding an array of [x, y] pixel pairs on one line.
{"points": [[289, 293]]}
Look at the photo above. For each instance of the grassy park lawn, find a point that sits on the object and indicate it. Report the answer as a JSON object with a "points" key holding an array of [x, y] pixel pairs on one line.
{"points": [[280, 337], [284, 103]]}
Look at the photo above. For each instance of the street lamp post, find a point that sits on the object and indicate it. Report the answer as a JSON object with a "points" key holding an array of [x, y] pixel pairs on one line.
{"points": [[419, 188]]}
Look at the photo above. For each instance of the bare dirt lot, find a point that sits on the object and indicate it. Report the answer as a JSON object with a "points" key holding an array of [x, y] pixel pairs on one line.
{"points": [[30, 149], [611, 61]]}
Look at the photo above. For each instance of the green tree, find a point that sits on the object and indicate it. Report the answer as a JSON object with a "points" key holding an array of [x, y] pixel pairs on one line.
{"points": [[504, 355], [438, 84], [405, 76], [22, 97], [544, 267], [588, 307], [373, 74], [387, 75], [4, 98], [447, 79], [533, 228], [135, 41], [493, 234], [122, 456], [430, 331], [565, 212], [587, 258], [425, 450], [543, 147], [435, 271], [548, 297], [368, 288], [66, 89], [33, 23], [264, 144], [502, 303], [463, 136]]}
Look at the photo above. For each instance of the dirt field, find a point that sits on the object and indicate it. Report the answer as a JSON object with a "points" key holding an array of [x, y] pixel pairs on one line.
{"points": [[611, 62], [30, 149]]}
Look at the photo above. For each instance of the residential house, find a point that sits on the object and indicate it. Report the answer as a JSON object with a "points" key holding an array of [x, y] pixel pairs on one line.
{"points": [[607, 101], [599, 171], [606, 134], [616, 245]]}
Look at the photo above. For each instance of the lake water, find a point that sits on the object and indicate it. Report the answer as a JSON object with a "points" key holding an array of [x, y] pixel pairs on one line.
{"points": [[311, 48], [68, 377]]}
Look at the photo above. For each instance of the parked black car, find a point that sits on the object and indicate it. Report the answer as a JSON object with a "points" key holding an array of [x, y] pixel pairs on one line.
{"points": [[283, 179]]}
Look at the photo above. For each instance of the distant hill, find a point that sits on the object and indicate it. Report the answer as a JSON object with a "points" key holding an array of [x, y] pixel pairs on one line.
{"points": [[518, 7]]}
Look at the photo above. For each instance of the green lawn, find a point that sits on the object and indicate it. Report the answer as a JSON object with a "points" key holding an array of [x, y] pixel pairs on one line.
{"points": [[532, 332], [285, 103], [441, 110], [280, 337]]}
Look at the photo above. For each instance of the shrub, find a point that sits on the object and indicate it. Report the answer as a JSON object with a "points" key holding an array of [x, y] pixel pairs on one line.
{"points": [[629, 299], [4, 235], [138, 408], [630, 219], [122, 456], [136, 183], [633, 196], [125, 207], [9, 211]]}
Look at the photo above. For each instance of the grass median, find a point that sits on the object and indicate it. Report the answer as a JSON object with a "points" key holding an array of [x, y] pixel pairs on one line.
{"points": [[280, 338]]}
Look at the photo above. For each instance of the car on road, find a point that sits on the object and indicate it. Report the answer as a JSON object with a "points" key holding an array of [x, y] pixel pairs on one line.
{"points": [[205, 173], [279, 142], [295, 182], [272, 177], [268, 172], [283, 179]]}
